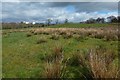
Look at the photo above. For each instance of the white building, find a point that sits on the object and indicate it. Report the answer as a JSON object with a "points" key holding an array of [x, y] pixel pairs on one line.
{"points": [[25, 22], [33, 23]]}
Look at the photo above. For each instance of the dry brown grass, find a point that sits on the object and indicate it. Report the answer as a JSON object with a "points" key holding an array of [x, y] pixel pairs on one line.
{"points": [[100, 65], [41, 40], [54, 68], [67, 35], [108, 33], [54, 36]]}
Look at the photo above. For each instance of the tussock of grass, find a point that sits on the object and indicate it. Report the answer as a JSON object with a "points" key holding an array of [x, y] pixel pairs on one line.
{"points": [[74, 60], [100, 65], [62, 33], [111, 37], [67, 36], [28, 34], [41, 40], [80, 37], [54, 36], [100, 33], [35, 33], [54, 67]]}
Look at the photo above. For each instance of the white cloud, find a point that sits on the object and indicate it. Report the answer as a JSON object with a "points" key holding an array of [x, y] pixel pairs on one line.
{"points": [[40, 12]]}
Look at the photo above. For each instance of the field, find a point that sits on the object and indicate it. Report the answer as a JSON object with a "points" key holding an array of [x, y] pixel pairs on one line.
{"points": [[83, 25], [85, 52]]}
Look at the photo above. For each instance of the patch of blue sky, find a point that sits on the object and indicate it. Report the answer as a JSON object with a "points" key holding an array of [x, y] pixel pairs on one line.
{"points": [[70, 9]]}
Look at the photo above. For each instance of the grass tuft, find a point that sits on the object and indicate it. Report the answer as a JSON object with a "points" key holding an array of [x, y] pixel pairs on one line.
{"points": [[28, 34], [54, 37], [54, 67], [41, 40]]}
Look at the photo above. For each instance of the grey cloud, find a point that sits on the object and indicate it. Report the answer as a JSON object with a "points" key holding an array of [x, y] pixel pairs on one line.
{"points": [[98, 6], [40, 11], [89, 6]]}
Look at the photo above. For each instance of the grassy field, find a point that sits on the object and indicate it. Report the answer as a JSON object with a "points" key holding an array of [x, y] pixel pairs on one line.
{"points": [[82, 25], [26, 52]]}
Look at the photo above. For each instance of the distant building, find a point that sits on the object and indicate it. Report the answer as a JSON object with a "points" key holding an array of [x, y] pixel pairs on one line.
{"points": [[25, 22], [33, 23]]}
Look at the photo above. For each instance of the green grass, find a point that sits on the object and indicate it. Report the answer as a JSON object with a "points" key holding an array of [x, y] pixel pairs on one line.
{"points": [[22, 57], [79, 25]]}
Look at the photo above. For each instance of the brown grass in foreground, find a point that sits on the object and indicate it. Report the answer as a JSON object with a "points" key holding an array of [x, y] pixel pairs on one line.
{"points": [[99, 63], [54, 67]]}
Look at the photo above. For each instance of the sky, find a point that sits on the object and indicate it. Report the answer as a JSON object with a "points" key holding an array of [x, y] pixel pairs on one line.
{"points": [[41, 11]]}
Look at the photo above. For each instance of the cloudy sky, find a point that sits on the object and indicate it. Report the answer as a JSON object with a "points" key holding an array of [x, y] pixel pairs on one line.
{"points": [[41, 11]]}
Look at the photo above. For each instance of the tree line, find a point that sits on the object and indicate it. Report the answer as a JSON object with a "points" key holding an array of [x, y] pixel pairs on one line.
{"points": [[110, 19], [12, 25]]}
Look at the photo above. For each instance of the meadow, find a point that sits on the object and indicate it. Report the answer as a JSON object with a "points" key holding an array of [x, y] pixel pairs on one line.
{"points": [[60, 52]]}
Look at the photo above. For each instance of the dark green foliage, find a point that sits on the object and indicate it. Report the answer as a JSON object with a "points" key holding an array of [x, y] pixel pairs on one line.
{"points": [[74, 60]]}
